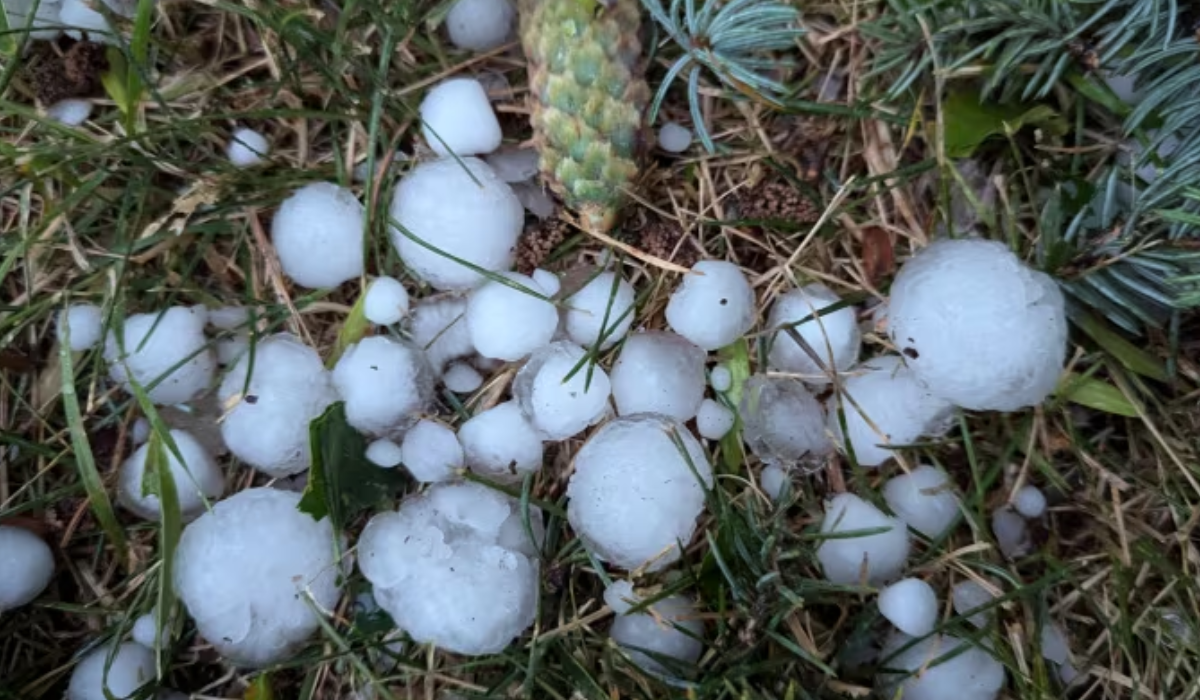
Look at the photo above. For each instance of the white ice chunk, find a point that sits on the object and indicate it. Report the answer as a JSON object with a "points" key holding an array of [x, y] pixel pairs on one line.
{"points": [[881, 556], [941, 667], [911, 605], [515, 164], [457, 118], [439, 327], [227, 318], [603, 307], [42, 25], [431, 452], [384, 382], [197, 479], [318, 235], [71, 112], [674, 138], [480, 25], [1030, 502], [1012, 534], [1055, 647], [547, 280], [720, 378], [384, 453], [167, 350], [558, 407], [81, 19], [772, 480], [834, 336], [713, 306], [28, 565], [85, 324], [386, 302], [669, 629], [96, 678], [781, 422], [140, 432], [501, 443], [713, 420], [924, 499], [247, 148], [968, 596], [509, 322], [659, 372], [462, 378]]}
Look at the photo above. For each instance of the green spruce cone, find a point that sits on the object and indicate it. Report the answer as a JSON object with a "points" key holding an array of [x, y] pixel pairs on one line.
{"points": [[588, 97]]}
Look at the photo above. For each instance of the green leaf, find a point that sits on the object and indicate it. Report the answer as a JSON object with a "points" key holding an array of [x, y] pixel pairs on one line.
{"points": [[736, 357], [160, 481], [1097, 394], [1131, 356], [969, 122], [343, 482], [1098, 92], [260, 688], [115, 80], [353, 329]]}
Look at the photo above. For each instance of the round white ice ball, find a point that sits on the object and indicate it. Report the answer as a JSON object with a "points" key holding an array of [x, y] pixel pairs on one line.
{"points": [[781, 422], [559, 407], [27, 565], [669, 628], [244, 568], [924, 499], [508, 323], [455, 567], [674, 138], [480, 25], [44, 23], [714, 305], [500, 443], [247, 148], [461, 211], [882, 555], [713, 420], [197, 479], [457, 118], [431, 452], [979, 327], [166, 353], [772, 480], [385, 453], [439, 327], [386, 302], [84, 323], [634, 495], [659, 372], [462, 378], [911, 605], [833, 335], [940, 667], [70, 112], [603, 307], [97, 678], [318, 235], [720, 378], [384, 382], [1030, 502]]}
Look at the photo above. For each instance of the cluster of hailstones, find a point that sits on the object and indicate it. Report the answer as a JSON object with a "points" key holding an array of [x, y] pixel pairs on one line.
{"points": [[457, 564]]}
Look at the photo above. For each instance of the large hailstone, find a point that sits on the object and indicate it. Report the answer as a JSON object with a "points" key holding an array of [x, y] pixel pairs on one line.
{"points": [[457, 118], [941, 667], [713, 306], [439, 327], [559, 407], [600, 309], [166, 353], [318, 235], [84, 323], [267, 426], [42, 22], [659, 372], [384, 382], [197, 479], [457, 208], [979, 327], [500, 443], [243, 570], [26, 566], [634, 494], [480, 25], [911, 605], [507, 322], [834, 336], [899, 408], [97, 678], [781, 422], [455, 566], [669, 629], [924, 499], [844, 558]]}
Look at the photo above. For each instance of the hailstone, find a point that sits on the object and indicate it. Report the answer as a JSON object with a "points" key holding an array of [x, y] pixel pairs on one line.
{"points": [[941, 667], [720, 378], [431, 452], [669, 629], [674, 138], [480, 25], [559, 407], [1030, 502], [26, 563], [979, 327], [386, 301], [197, 479], [714, 305], [911, 605], [245, 568], [455, 566], [507, 322], [772, 480], [659, 372], [42, 25], [439, 327], [604, 306], [384, 383], [318, 235], [97, 678], [459, 210], [1012, 533], [457, 118], [968, 597], [72, 111], [247, 148], [713, 420], [638, 487], [166, 353], [781, 422], [84, 322], [924, 499], [844, 559], [500, 443], [384, 453], [834, 335], [462, 378]]}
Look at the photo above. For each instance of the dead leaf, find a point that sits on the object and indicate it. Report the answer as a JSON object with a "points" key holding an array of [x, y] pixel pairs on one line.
{"points": [[878, 254]]}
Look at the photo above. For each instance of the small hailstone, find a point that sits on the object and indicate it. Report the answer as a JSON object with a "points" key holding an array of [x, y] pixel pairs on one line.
{"points": [[899, 408], [1030, 502], [720, 378], [668, 629], [911, 605], [71, 112], [231, 349], [1012, 535], [245, 568], [227, 318], [43, 26], [386, 302], [431, 452], [197, 479], [507, 323], [1055, 647], [165, 349], [246, 148], [714, 305], [599, 308], [941, 667], [979, 327], [548, 281], [968, 596], [28, 566], [781, 421], [833, 336], [439, 327], [85, 324], [384, 453], [924, 499], [462, 378], [460, 208], [145, 631], [318, 235], [480, 25], [515, 165], [674, 138], [619, 597], [556, 406], [96, 678], [457, 118], [713, 420], [454, 567], [500, 443], [772, 480], [140, 431], [659, 372], [882, 555], [267, 426], [633, 495], [383, 382], [535, 199]]}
